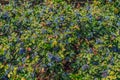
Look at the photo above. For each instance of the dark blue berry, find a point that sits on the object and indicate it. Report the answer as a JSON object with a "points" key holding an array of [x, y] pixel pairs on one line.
{"points": [[5, 78], [90, 50], [89, 16], [50, 64], [23, 60], [85, 67], [62, 18], [95, 63], [21, 51], [54, 58], [115, 49], [55, 48], [58, 59], [88, 8], [67, 58], [50, 56], [5, 15]]}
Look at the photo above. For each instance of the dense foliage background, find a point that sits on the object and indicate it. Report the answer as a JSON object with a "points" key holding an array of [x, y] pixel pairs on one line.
{"points": [[59, 40]]}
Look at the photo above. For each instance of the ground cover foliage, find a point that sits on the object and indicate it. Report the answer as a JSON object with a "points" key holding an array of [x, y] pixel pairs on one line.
{"points": [[56, 41]]}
